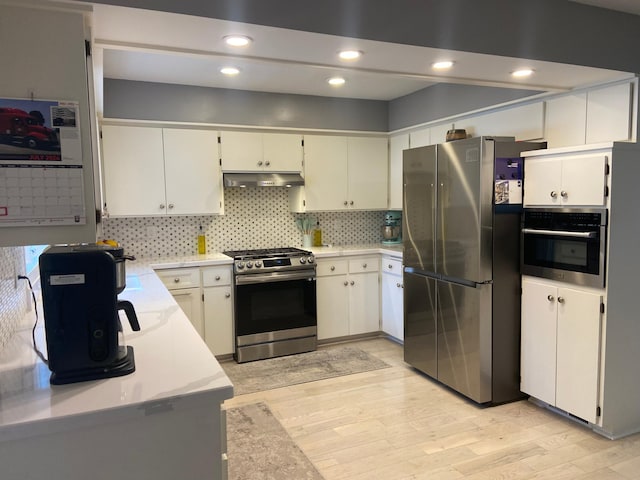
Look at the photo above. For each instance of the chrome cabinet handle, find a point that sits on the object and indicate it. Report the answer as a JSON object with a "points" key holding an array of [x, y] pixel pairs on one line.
{"points": [[560, 299], [260, 163], [352, 282], [346, 283], [227, 295], [267, 163], [217, 277], [332, 268], [398, 285], [162, 206], [550, 298], [364, 265], [554, 194], [345, 202], [564, 194], [170, 206], [176, 280], [390, 266], [351, 202]]}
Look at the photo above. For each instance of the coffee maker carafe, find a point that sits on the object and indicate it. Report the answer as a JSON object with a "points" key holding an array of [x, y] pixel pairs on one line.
{"points": [[391, 229], [80, 286]]}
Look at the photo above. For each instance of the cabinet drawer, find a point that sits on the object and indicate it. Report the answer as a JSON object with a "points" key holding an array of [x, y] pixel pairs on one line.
{"points": [[392, 266], [178, 278], [365, 264], [214, 276], [331, 267]]}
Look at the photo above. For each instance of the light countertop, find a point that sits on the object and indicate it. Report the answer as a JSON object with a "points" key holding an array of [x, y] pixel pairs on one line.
{"points": [[174, 369]]}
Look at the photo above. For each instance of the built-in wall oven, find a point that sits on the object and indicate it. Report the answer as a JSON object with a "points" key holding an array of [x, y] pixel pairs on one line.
{"points": [[565, 244], [275, 303]]}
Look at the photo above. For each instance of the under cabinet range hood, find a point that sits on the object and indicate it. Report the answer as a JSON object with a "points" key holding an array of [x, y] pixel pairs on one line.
{"points": [[259, 179]]}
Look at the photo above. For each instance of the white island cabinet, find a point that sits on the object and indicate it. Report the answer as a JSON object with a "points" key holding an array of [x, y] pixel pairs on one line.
{"points": [[392, 297], [164, 421]]}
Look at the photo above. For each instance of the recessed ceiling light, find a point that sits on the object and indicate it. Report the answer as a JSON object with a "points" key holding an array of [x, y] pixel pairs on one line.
{"points": [[229, 71], [237, 40], [350, 54], [524, 72], [442, 65], [336, 81]]}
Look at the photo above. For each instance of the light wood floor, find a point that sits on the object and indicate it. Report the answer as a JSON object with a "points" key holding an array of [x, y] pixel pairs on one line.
{"points": [[397, 424]]}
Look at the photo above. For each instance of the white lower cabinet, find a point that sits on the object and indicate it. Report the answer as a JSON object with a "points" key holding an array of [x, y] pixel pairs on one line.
{"points": [[218, 309], [184, 285], [205, 295], [348, 296], [392, 298], [560, 350]]}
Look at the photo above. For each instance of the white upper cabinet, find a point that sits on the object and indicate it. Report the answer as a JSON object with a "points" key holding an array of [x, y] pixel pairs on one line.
{"points": [[256, 152], [420, 138], [397, 144], [609, 114], [565, 180], [155, 171], [192, 171], [565, 118], [523, 122], [343, 173], [133, 169]]}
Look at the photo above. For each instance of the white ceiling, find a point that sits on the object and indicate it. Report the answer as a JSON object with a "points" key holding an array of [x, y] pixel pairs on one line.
{"points": [[172, 48]]}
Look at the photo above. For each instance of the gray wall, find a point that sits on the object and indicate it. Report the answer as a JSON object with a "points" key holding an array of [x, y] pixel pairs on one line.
{"points": [[553, 30], [182, 103], [444, 100]]}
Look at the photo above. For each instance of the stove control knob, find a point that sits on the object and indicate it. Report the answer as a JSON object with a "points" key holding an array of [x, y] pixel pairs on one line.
{"points": [[249, 264], [240, 265], [310, 259], [303, 260], [258, 263]]}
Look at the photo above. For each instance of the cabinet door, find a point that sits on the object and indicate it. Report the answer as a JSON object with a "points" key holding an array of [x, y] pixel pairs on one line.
{"points": [[609, 113], [218, 320], [396, 145], [332, 306], [392, 305], [193, 179], [189, 301], [282, 152], [325, 172], [368, 173], [538, 341], [542, 181], [133, 162], [578, 348], [364, 303], [241, 151], [583, 180], [565, 120]]}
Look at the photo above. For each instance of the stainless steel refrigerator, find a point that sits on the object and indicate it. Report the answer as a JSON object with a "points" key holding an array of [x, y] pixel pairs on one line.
{"points": [[461, 222]]}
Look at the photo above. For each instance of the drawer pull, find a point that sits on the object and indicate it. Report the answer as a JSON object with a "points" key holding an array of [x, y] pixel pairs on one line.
{"points": [[560, 299], [550, 298], [176, 280], [364, 265], [227, 295], [217, 277], [554, 194], [346, 283], [390, 266], [352, 282], [332, 268]]}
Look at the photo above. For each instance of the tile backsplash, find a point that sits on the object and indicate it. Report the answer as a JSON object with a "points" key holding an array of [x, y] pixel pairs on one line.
{"points": [[254, 218], [14, 302]]}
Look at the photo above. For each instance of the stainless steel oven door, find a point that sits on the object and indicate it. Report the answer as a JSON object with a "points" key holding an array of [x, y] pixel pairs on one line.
{"points": [[565, 245], [275, 307]]}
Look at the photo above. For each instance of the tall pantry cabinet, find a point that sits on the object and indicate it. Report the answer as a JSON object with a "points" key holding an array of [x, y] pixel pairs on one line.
{"points": [[581, 346]]}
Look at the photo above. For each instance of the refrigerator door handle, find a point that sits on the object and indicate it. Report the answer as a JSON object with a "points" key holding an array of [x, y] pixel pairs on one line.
{"points": [[465, 282], [424, 273]]}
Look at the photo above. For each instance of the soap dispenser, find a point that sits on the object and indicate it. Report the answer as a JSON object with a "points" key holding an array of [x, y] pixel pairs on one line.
{"points": [[202, 242]]}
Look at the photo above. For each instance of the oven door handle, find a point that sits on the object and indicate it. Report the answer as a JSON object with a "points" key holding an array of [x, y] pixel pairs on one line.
{"points": [[275, 277], [560, 233]]}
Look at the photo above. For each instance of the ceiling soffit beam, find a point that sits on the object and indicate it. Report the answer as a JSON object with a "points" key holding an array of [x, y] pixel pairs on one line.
{"points": [[140, 47]]}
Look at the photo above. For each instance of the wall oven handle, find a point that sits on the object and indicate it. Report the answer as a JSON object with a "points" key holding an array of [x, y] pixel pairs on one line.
{"points": [[275, 277], [560, 233]]}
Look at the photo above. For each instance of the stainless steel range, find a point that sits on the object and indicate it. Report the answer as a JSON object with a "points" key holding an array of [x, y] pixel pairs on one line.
{"points": [[275, 302]]}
